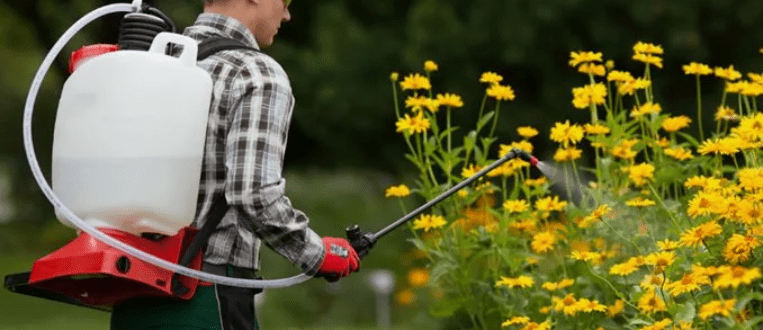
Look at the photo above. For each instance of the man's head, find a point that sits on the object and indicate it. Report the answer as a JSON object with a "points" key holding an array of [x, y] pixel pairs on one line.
{"points": [[262, 17]]}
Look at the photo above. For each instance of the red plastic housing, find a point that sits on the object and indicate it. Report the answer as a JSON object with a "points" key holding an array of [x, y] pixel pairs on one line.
{"points": [[99, 275]]}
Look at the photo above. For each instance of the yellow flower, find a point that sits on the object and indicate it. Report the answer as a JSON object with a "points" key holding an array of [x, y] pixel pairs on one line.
{"points": [[750, 178], [543, 242], [394, 76], [648, 59], [583, 97], [610, 64], [432, 105], [430, 66], [667, 245], [651, 303], [416, 103], [588, 306], [619, 76], [752, 127], [549, 203], [397, 191], [704, 203], [724, 146], [516, 320], [661, 260], [695, 236], [516, 206], [596, 129], [471, 170], [679, 153], [415, 81], [697, 69], [586, 256], [688, 283], [725, 113], [640, 173], [673, 124], [566, 134], [567, 154], [410, 125], [595, 216], [450, 100], [405, 297], [491, 78], [647, 48], [522, 281], [739, 248], [639, 202], [616, 308], [722, 307], [735, 276], [646, 109], [623, 149], [521, 145], [624, 269], [629, 87], [418, 277], [428, 222], [568, 305], [527, 132], [660, 325], [727, 73], [500, 92], [584, 57], [592, 69]]}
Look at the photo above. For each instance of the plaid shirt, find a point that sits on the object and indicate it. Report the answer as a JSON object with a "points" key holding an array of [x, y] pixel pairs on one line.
{"points": [[249, 119]]}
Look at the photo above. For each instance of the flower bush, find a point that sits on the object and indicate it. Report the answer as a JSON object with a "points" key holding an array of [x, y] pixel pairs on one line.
{"points": [[662, 230]]}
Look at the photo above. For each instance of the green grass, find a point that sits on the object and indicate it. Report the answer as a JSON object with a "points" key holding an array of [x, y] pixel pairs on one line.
{"points": [[333, 201]]}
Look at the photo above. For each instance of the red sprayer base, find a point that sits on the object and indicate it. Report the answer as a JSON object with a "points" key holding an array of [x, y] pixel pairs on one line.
{"points": [[87, 272]]}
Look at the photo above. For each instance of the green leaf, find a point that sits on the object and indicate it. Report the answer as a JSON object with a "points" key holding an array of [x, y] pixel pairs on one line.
{"points": [[686, 312], [689, 138], [470, 140], [485, 119], [445, 132], [419, 244]]}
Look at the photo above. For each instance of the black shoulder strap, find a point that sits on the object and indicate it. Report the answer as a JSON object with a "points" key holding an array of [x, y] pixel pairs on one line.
{"points": [[215, 215], [211, 46]]}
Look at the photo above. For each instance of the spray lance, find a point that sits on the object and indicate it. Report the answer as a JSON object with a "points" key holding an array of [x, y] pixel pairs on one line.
{"points": [[363, 242]]}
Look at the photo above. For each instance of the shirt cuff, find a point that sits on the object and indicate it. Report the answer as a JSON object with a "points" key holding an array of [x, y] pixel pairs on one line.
{"points": [[312, 255]]}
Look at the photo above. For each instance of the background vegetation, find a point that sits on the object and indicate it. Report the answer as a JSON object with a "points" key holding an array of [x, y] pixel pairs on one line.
{"points": [[339, 54]]}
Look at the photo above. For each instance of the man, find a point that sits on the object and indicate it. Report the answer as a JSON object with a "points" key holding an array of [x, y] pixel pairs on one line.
{"points": [[249, 119]]}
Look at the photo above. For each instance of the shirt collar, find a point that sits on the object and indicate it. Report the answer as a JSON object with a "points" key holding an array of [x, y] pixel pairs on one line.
{"points": [[227, 26]]}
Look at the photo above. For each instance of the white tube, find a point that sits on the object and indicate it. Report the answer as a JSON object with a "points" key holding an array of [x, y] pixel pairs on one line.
{"points": [[79, 223]]}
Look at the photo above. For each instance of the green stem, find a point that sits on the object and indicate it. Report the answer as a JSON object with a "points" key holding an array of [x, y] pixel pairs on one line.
{"points": [[449, 163], [699, 110], [394, 99], [662, 203], [495, 119]]}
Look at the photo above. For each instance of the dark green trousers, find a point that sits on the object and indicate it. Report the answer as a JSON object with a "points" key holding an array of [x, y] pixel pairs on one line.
{"points": [[217, 307]]}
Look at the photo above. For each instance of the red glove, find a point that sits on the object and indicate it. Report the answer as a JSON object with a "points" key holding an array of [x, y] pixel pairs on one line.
{"points": [[339, 261]]}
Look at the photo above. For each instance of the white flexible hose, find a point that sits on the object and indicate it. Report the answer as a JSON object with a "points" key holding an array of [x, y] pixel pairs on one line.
{"points": [[79, 223]]}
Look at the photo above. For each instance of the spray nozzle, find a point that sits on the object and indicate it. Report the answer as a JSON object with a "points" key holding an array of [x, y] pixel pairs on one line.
{"points": [[524, 155]]}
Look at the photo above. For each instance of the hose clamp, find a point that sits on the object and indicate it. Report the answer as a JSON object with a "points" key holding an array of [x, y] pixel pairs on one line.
{"points": [[137, 5]]}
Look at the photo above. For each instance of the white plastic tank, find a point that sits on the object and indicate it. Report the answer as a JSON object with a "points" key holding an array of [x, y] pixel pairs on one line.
{"points": [[129, 138]]}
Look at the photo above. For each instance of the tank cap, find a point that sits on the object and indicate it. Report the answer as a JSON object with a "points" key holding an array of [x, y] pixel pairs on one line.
{"points": [[88, 52]]}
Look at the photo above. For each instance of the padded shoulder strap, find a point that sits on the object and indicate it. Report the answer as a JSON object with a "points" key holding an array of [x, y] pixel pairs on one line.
{"points": [[211, 46]]}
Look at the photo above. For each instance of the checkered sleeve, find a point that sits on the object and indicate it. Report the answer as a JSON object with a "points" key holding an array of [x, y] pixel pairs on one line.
{"points": [[255, 146]]}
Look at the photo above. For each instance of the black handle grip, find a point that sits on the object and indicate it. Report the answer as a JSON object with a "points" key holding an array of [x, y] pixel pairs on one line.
{"points": [[361, 242]]}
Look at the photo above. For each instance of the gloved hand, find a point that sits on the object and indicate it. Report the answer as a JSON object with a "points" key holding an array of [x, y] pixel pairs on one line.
{"points": [[339, 261]]}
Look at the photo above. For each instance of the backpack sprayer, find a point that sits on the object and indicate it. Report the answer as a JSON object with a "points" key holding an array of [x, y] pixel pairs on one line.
{"points": [[127, 151]]}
